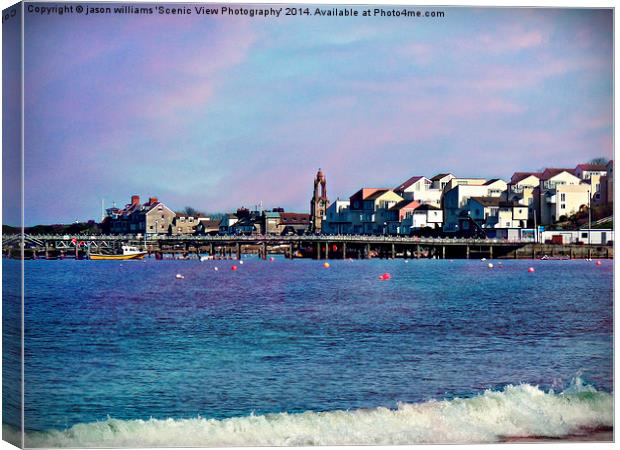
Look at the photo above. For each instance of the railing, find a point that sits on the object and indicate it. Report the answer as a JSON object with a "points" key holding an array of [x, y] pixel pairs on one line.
{"points": [[272, 238]]}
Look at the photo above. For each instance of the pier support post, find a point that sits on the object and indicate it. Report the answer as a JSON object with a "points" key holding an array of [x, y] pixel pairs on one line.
{"points": [[264, 250], [443, 252], [367, 251], [490, 252], [318, 250], [393, 251], [327, 250], [417, 251], [344, 250], [238, 250], [467, 251], [290, 250], [589, 252]]}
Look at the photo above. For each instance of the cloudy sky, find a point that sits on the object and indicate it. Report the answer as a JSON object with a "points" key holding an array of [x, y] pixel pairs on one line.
{"points": [[223, 112]]}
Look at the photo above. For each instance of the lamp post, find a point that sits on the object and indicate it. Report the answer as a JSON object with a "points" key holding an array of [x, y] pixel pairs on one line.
{"points": [[589, 218]]}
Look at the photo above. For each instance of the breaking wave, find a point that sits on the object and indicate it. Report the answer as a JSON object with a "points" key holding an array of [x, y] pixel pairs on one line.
{"points": [[516, 411]]}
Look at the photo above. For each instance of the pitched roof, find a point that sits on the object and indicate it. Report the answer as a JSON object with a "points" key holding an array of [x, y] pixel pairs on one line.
{"points": [[491, 181], [290, 218], [590, 167], [520, 176], [408, 183], [377, 194], [440, 176], [551, 172], [411, 204], [427, 207]]}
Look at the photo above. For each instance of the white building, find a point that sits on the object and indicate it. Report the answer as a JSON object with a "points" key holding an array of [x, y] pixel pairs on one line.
{"points": [[455, 200]]}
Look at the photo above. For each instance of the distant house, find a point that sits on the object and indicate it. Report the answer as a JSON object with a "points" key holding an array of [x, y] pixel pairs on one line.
{"points": [[227, 222], [294, 223], [455, 200], [419, 188], [440, 181], [370, 210], [338, 218], [152, 217], [420, 218], [247, 223], [492, 212], [560, 194], [182, 225], [208, 226], [271, 222]]}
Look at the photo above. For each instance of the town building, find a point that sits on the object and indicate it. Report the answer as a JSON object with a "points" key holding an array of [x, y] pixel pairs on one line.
{"points": [[319, 202], [271, 222], [420, 189], [294, 223], [369, 210], [440, 181], [208, 226], [338, 218], [152, 217], [183, 225], [455, 200], [423, 217]]}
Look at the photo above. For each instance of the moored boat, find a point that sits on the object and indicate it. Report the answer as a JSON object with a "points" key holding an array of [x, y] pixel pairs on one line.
{"points": [[129, 252]]}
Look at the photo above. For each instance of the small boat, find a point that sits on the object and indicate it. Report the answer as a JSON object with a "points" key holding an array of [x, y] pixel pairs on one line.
{"points": [[129, 252]]}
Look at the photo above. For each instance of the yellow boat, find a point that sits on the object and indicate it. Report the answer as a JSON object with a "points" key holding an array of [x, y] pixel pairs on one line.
{"points": [[128, 253]]}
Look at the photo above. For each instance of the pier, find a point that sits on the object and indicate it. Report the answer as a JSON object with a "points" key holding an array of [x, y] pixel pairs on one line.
{"points": [[306, 246]]}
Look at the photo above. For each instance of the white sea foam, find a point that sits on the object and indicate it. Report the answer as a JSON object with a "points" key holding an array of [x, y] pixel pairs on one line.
{"points": [[516, 411]]}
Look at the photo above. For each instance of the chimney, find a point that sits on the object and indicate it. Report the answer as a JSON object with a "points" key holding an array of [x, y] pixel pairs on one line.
{"points": [[152, 200], [135, 199]]}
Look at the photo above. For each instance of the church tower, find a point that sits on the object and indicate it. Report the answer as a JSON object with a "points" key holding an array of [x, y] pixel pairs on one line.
{"points": [[319, 202]]}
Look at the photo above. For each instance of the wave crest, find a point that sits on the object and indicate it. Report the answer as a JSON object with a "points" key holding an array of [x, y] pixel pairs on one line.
{"points": [[515, 411]]}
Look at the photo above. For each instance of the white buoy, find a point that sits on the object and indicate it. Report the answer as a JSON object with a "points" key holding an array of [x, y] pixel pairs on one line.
{"points": [[490, 265], [483, 259], [240, 262], [215, 268], [179, 276]]}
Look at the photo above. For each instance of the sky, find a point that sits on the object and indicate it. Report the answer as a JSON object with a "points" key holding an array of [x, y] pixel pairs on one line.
{"points": [[220, 112]]}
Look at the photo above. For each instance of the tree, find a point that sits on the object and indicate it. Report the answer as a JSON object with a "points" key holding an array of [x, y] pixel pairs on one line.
{"points": [[600, 160], [189, 211]]}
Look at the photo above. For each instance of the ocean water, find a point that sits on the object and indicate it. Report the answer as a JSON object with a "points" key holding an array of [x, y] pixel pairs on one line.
{"points": [[292, 353]]}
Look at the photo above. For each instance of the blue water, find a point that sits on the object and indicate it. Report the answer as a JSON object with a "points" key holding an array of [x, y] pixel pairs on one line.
{"points": [[128, 340]]}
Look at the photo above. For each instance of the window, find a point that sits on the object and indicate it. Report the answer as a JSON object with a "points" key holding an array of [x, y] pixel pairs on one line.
{"points": [[563, 197], [584, 235], [562, 206]]}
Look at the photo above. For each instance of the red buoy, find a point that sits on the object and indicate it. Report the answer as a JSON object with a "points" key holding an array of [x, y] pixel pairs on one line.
{"points": [[334, 248], [386, 276], [233, 268], [598, 263], [531, 269]]}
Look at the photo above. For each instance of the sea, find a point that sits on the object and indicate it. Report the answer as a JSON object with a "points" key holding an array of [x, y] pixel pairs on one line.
{"points": [[293, 353]]}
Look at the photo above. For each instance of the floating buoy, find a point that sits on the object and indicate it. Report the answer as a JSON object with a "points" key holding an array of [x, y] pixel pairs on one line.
{"points": [[216, 269], [531, 269], [483, 259], [179, 276], [272, 259], [234, 268], [406, 260], [326, 265], [490, 265], [598, 263], [240, 262], [385, 276]]}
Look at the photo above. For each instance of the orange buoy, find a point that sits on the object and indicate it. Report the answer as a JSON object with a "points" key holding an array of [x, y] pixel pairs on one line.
{"points": [[233, 268], [326, 265], [385, 276], [531, 269]]}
